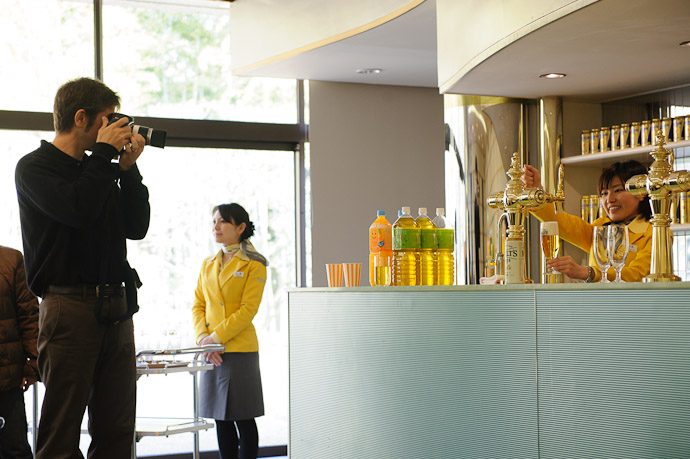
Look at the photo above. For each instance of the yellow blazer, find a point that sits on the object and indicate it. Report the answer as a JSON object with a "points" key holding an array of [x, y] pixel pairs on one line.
{"points": [[581, 234], [225, 302]]}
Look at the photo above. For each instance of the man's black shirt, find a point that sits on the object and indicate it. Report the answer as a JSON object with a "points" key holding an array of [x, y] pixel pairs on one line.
{"points": [[74, 213]]}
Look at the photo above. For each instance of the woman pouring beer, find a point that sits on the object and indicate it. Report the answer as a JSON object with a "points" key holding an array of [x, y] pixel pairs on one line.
{"points": [[620, 206]]}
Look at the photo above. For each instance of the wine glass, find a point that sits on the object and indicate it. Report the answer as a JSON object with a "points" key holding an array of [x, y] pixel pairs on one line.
{"points": [[550, 242], [618, 248], [601, 251]]}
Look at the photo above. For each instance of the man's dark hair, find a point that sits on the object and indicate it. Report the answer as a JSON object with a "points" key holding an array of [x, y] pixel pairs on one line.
{"points": [[82, 93], [624, 170]]}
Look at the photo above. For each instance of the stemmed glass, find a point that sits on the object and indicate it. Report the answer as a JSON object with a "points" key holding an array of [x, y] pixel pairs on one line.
{"points": [[618, 248], [601, 251], [550, 242]]}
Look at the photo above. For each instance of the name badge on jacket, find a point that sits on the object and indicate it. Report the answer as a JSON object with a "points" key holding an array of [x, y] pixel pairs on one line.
{"points": [[238, 274]]}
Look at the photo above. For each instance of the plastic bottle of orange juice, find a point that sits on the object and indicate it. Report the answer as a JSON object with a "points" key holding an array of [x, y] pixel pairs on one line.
{"points": [[380, 250]]}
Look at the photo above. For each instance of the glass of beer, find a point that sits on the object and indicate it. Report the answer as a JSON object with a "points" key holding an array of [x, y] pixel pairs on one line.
{"points": [[550, 242], [382, 270]]}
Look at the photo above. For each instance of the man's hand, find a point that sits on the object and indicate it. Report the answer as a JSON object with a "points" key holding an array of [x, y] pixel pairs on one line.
{"points": [[117, 134], [132, 151]]}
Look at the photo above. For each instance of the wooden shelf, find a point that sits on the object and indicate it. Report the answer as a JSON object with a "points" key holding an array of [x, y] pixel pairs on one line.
{"points": [[604, 159]]}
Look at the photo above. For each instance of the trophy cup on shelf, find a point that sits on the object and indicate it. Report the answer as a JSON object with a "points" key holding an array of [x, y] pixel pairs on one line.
{"points": [[515, 201]]}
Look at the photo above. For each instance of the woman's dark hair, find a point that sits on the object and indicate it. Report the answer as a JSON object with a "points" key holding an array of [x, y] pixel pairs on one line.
{"points": [[87, 93], [624, 170], [236, 214]]}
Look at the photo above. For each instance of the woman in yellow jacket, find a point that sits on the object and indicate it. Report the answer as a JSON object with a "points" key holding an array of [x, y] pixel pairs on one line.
{"points": [[226, 299], [620, 207]]}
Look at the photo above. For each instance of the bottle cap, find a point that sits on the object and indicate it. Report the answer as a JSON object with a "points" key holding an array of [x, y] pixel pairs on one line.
{"points": [[440, 211], [380, 212], [422, 211], [406, 210]]}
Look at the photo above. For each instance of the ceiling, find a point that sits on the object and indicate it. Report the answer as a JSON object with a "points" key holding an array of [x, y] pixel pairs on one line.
{"points": [[608, 50], [404, 48]]}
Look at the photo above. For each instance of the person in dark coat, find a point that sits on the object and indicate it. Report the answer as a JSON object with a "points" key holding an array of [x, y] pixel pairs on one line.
{"points": [[18, 352]]}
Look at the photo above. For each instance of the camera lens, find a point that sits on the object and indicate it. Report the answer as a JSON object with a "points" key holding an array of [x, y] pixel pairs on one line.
{"points": [[154, 137]]}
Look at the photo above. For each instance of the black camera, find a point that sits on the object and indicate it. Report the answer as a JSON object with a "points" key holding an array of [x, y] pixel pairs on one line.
{"points": [[154, 137]]}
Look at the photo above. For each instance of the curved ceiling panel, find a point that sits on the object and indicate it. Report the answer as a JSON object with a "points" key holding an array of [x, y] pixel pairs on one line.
{"points": [[608, 50], [269, 31]]}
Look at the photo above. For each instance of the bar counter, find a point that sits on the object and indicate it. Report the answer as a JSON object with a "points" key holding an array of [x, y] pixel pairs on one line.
{"points": [[501, 371]]}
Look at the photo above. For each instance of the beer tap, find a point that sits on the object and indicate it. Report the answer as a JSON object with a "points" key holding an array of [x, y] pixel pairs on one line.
{"points": [[500, 243], [559, 199], [659, 184], [515, 201]]}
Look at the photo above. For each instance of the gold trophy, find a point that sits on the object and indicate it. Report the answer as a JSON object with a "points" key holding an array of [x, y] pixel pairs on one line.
{"points": [[660, 183], [515, 201]]}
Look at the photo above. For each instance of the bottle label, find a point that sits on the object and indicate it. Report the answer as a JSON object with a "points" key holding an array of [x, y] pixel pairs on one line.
{"points": [[515, 261], [429, 239], [406, 238], [379, 239], [445, 238]]}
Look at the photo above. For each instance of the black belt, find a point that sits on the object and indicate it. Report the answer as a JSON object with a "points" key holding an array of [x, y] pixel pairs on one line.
{"points": [[84, 290]]}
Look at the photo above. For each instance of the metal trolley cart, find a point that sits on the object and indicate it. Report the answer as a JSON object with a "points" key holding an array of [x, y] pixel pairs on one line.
{"points": [[153, 362]]}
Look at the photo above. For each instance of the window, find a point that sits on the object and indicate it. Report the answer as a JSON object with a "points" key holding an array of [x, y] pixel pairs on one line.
{"points": [[173, 61], [15, 145], [169, 258], [42, 45]]}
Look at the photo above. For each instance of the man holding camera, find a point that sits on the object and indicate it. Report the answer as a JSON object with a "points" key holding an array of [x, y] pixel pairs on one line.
{"points": [[77, 211]]}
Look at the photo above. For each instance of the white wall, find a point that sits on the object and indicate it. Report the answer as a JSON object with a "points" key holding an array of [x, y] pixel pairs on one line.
{"points": [[372, 147]]}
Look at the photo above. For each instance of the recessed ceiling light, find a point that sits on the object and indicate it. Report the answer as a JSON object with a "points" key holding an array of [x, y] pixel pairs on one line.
{"points": [[369, 71], [552, 75], [686, 44]]}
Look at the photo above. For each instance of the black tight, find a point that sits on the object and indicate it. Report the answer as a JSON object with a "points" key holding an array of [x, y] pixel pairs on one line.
{"points": [[228, 442]]}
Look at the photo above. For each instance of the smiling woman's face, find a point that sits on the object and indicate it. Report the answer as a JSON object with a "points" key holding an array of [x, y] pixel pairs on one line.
{"points": [[620, 206]]}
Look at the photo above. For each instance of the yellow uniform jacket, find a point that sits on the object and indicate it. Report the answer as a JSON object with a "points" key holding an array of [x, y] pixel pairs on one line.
{"points": [[581, 234], [225, 302]]}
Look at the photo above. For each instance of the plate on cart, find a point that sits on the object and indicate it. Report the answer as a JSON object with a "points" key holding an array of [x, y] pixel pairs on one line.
{"points": [[161, 364]]}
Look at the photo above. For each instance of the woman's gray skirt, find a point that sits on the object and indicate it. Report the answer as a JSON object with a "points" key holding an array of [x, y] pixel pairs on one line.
{"points": [[232, 391]]}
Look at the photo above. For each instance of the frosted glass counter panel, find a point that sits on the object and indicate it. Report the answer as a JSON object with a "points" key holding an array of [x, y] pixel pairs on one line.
{"points": [[412, 374], [614, 373]]}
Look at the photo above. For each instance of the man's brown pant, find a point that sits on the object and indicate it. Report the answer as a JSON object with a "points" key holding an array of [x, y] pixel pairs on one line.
{"points": [[85, 363]]}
